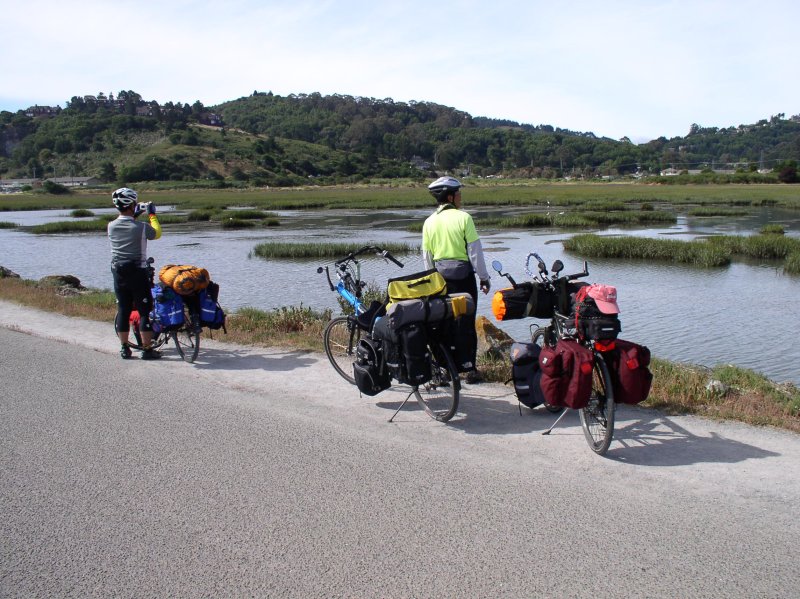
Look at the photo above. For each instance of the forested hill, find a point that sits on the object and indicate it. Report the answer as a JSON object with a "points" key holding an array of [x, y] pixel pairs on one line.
{"points": [[275, 140]]}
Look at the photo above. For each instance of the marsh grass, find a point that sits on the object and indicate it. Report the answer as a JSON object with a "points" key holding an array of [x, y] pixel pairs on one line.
{"points": [[577, 219], [697, 253], [81, 213], [273, 250], [237, 223], [68, 226], [757, 246], [773, 230], [717, 211], [792, 264], [7, 225], [677, 388]]}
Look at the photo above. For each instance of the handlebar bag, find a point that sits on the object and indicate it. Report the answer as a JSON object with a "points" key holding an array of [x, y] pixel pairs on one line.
{"points": [[368, 368], [167, 308], [529, 299], [428, 283], [566, 374], [526, 374], [566, 291], [184, 278], [630, 376]]}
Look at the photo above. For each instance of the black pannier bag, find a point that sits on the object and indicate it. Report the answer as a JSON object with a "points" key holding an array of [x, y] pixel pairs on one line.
{"points": [[416, 356], [369, 370], [405, 351], [525, 373], [529, 299]]}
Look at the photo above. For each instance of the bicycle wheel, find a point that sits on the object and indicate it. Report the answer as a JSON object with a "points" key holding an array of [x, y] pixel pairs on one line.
{"points": [[340, 338], [439, 396], [537, 337], [597, 418], [187, 338]]}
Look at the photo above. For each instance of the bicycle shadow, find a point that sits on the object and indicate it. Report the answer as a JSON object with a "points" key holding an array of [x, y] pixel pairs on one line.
{"points": [[233, 359], [477, 414], [652, 439]]}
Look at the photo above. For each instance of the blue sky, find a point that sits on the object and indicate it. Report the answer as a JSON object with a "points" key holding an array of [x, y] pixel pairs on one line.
{"points": [[640, 69]]}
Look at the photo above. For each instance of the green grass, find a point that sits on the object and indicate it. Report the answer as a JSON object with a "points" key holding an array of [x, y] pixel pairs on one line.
{"points": [[81, 213], [7, 225], [792, 264], [594, 196], [767, 247], [717, 211], [80, 226], [696, 253], [773, 230], [273, 250]]}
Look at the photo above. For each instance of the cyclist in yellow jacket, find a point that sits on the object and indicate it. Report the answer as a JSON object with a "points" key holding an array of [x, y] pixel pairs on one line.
{"points": [[451, 244], [128, 266]]}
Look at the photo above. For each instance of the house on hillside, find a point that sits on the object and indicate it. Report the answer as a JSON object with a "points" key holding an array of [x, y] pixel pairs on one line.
{"points": [[15, 185], [75, 181]]}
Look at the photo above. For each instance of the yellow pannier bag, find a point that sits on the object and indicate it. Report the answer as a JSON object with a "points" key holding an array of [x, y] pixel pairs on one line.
{"points": [[429, 283], [184, 278]]}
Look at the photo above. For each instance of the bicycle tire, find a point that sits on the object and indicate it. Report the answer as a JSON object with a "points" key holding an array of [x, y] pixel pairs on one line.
{"points": [[439, 396], [537, 337], [187, 339], [340, 339], [597, 418]]}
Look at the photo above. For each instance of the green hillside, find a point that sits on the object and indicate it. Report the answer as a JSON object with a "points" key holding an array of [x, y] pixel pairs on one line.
{"points": [[270, 140]]}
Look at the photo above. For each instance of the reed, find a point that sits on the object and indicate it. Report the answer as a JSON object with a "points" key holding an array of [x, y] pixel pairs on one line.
{"points": [[791, 265], [757, 246], [697, 253], [4, 224], [716, 211], [237, 223], [81, 213], [79, 226], [273, 250], [773, 230]]}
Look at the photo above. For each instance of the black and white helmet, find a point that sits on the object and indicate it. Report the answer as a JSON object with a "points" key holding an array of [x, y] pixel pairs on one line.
{"points": [[124, 198], [443, 187]]}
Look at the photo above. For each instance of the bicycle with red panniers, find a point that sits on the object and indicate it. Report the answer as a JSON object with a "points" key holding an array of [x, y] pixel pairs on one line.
{"points": [[577, 360]]}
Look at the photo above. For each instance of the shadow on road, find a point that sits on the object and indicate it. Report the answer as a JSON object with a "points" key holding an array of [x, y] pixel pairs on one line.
{"points": [[232, 359], [657, 440]]}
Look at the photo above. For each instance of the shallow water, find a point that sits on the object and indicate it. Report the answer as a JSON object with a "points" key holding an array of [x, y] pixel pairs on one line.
{"points": [[702, 316]]}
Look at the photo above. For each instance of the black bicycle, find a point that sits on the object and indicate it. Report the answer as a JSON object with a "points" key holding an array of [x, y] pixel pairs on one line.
{"points": [[439, 396], [597, 416], [186, 336]]}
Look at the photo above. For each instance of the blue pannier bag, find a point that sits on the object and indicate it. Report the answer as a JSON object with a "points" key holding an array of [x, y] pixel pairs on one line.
{"points": [[211, 313], [167, 308]]}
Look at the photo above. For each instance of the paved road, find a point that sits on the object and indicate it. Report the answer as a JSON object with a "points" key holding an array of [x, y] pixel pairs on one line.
{"points": [[261, 473]]}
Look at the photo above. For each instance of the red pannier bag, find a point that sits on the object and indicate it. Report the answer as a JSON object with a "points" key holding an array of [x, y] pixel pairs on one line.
{"points": [[566, 374], [630, 376]]}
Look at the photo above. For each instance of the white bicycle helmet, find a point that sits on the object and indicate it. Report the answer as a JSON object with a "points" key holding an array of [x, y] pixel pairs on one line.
{"points": [[124, 198], [443, 187]]}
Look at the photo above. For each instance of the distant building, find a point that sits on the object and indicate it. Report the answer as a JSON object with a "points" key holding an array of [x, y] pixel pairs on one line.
{"points": [[75, 181]]}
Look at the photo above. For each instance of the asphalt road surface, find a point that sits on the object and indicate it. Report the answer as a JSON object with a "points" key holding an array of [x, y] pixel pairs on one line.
{"points": [[261, 473]]}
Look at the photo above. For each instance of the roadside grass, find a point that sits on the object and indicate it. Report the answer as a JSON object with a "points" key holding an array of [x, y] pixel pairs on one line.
{"points": [[744, 395]]}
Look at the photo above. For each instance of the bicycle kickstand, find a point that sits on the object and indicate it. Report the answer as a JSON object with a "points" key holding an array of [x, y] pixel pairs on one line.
{"points": [[401, 406], [563, 413]]}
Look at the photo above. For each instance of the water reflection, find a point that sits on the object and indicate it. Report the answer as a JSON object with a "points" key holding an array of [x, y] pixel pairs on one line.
{"points": [[704, 316]]}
